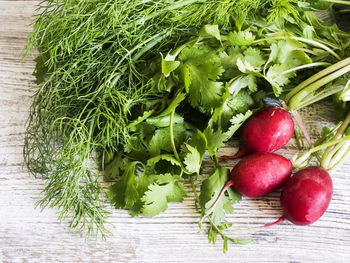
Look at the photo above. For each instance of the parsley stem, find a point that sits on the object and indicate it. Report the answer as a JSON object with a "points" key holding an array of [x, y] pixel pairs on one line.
{"points": [[172, 136]]}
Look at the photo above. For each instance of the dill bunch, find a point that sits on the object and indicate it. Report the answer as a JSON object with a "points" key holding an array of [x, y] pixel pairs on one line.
{"points": [[92, 74]]}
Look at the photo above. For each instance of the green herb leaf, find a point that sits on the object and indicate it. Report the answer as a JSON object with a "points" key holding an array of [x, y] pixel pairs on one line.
{"points": [[166, 189], [192, 159], [241, 38], [210, 190], [277, 78], [169, 66], [124, 193], [210, 31]]}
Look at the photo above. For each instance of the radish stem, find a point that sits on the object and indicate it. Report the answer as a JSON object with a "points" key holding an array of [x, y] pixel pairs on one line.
{"points": [[281, 219], [296, 101], [317, 76], [223, 190], [302, 127], [339, 2]]}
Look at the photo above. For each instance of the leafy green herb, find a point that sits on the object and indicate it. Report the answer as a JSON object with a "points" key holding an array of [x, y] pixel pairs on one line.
{"points": [[105, 91]]}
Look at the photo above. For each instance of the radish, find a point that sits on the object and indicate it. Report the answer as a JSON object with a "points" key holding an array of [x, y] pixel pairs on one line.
{"points": [[265, 131], [257, 174], [306, 196]]}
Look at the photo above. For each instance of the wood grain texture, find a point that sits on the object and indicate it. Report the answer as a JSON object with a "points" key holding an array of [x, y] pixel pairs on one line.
{"points": [[28, 235]]}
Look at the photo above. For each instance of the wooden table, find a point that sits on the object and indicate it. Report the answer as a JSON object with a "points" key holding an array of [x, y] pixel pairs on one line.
{"points": [[28, 235]]}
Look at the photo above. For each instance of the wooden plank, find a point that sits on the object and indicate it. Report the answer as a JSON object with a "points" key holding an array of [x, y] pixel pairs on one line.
{"points": [[27, 235]]}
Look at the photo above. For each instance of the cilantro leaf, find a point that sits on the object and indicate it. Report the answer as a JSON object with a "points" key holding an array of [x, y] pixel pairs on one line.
{"points": [[167, 157], [236, 122], [287, 51], [192, 159], [169, 66], [185, 77], [228, 59], [242, 82], [174, 104], [161, 139], [193, 152], [241, 38], [277, 78], [164, 163], [196, 55], [160, 83], [216, 138], [200, 72], [124, 194], [166, 189], [113, 168], [204, 90], [254, 57], [210, 190], [199, 141]]}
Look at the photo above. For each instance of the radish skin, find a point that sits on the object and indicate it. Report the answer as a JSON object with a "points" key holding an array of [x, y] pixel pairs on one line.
{"points": [[306, 196], [265, 131], [257, 174]]}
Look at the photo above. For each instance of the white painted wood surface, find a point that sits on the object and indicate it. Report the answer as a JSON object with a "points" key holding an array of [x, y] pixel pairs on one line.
{"points": [[28, 235]]}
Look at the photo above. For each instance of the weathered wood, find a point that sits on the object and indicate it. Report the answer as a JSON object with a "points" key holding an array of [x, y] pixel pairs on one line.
{"points": [[28, 235]]}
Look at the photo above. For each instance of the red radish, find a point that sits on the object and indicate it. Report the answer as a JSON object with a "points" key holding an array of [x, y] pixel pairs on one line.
{"points": [[265, 131], [258, 174], [306, 196]]}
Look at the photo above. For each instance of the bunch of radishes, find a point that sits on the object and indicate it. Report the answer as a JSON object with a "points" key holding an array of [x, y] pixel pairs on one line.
{"points": [[305, 196]]}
